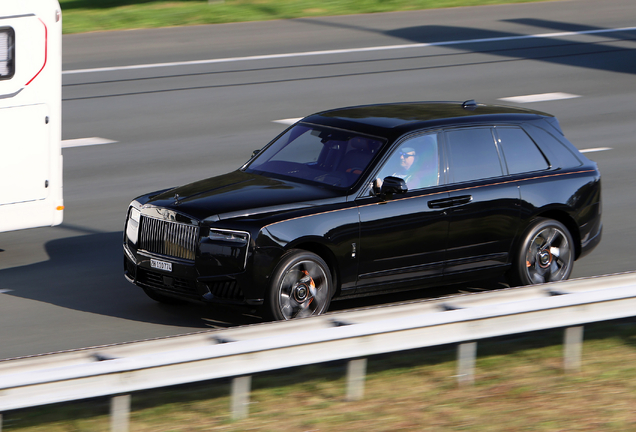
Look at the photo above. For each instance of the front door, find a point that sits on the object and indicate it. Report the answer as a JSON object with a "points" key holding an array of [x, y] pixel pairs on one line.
{"points": [[403, 237]]}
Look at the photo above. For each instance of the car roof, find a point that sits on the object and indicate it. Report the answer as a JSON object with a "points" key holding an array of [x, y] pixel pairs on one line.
{"points": [[395, 119]]}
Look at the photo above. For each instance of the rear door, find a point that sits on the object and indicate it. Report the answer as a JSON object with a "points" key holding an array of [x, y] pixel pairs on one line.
{"points": [[485, 212], [25, 127]]}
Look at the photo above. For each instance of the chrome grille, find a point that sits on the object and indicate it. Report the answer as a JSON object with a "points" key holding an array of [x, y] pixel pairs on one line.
{"points": [[168, 238]]}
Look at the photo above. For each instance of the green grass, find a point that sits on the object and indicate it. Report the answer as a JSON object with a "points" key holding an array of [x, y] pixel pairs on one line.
{"points": [[99, 15], [520, 386]]}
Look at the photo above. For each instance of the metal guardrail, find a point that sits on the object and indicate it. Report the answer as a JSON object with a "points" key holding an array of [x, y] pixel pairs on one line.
{"points": [[354, 335]]}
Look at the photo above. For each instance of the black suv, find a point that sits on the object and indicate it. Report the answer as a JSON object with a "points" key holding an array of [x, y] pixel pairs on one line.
{"points": [[372, 198]]}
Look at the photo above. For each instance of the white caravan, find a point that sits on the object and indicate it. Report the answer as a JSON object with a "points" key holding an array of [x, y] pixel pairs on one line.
{"points": [[30, 114]]}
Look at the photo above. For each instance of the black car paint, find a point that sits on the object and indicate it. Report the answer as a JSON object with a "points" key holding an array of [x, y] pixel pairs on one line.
{"points": [[373, 243]]}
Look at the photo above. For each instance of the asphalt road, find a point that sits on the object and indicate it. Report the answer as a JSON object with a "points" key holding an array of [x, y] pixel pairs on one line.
{"points": [[63, 288]]}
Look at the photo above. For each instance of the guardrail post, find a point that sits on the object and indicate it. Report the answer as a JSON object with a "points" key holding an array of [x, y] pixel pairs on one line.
{"points": [[572, 347], [120, 413], [356, 371], [241, 387], [466, 354]]}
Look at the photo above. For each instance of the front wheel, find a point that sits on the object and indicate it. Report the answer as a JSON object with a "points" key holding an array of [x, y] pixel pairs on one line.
{"points": [[301, 286], [546, 254]]}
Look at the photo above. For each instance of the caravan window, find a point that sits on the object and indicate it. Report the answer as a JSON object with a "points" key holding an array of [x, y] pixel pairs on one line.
{"points": [[7, 53]]}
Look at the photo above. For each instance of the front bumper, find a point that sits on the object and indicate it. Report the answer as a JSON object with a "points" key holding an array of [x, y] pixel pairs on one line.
{"points": [[183, 282]]}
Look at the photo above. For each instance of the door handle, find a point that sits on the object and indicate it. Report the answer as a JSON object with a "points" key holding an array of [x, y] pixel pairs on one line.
{"points": [[450, 202], [464, 199], [441, 203]]}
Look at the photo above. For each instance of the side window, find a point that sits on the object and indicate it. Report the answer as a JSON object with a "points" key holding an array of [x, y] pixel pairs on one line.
{"points": [[7, 53], [560, 156], [520, 152], [416, 161], [472, 154]]}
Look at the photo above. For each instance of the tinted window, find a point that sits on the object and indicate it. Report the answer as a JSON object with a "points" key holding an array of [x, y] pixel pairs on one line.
{"points": [[303, 146], [415, 161], [317, 154], [7, 53], [472, 154], [520, 152], [554, 149]]}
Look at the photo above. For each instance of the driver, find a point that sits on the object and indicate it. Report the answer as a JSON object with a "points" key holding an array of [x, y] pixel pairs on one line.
{"points": [[407, 161], [405, 169]]}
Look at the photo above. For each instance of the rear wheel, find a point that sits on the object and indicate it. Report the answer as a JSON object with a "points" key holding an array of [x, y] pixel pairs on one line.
{"points": [[301, 286], [546, 254]]}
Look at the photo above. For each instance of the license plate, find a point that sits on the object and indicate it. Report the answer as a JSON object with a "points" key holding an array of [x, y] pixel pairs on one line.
{"points": [[161, 265]]}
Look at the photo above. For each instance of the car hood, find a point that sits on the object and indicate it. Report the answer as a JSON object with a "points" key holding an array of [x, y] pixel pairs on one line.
{"points": [[239, 194]]}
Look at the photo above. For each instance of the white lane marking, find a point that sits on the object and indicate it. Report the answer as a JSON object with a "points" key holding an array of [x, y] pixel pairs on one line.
{"points": [[346, 51], [592, 150], [289, 121], [81, 142], [542, 97], [2, 291]]}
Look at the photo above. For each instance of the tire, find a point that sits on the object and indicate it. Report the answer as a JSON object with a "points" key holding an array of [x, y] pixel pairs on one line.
{"points": [[545, 254], [301, 286], [158, 297]]}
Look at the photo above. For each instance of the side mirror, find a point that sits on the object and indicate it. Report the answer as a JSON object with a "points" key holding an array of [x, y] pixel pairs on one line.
{"points": [[389, 186], [393, 185], [255, 152]]}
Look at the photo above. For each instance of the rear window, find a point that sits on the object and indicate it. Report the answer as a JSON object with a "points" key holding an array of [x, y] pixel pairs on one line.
{"points": [[7, 53], [557, 152], [520, 152], [473, 154]]}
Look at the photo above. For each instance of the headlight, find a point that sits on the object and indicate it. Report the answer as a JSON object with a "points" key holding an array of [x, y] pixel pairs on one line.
{"points": [[132, 226], [238, 237]]}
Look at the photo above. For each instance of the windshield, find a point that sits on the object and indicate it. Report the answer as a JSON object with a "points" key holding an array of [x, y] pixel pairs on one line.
{"points": [[317, 154]]}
